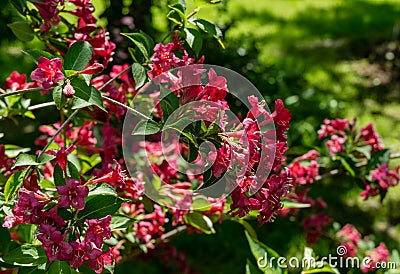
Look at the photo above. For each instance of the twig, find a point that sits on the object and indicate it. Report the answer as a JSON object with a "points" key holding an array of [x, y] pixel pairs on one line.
{"points": [[42, 105], [115, 77], [133, 111], [337, 171], [58, 131], [21, 91]]}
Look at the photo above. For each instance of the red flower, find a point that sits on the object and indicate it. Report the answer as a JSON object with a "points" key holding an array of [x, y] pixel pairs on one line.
{"points": [[16, 81], [73, 194], [61, 155], [54, 243], [48, 72], [99, 258], [80, 253], [371, 138], [98, 230], [117, 175]]}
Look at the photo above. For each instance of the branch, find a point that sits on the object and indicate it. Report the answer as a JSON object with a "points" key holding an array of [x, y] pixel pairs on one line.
{"points": [[115, 77], [337, 171], [58, 132], [42, 105], [21, 91], [133, 111]]}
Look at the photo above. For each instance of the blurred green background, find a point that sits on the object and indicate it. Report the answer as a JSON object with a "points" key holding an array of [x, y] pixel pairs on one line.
{"points": [[323, 58]]}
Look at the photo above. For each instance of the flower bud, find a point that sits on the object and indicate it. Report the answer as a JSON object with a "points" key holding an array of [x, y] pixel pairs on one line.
{"points": [[68, 90]]}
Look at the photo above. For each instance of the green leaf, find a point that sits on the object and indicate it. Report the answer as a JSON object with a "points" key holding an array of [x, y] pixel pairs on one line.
{"points": [[58, 175], [102, 189], [25, 160], [99, 207], [87, 93], [208, 27], [379, 157], [290, 204], [325, 269], [177, 14], [72, 171], [366, 150], [13, 150], [79, 103], [26, 254], [59, 267], [139, 75], [78, 56], [13, 183], [146, 127], [58, 97], [348, 166], [39, 269], [19, 5], [200, 221], [247, 226], [260, 251], [169, 102], [141, 42], [251, 268], [201, 3], [119, 222], [44, 158], [201, 204], [193, 152], [5, 239], [194, 39], [22, 30], [213, 129], [35, 54]]}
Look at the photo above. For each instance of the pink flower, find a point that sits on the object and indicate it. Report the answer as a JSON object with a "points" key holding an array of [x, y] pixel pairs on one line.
{"points": [[68, 89], [369, 191], [377, 255], [335, 144], [73, 194], [350, 233], [98, 230], [48, 72], [16, 81], [385, 177], [371, 137], [336, 126]]}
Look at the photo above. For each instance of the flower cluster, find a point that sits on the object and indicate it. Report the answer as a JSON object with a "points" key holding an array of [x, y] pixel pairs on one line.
{"points": [[381, 179], [35, 207], [355, 245]]}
